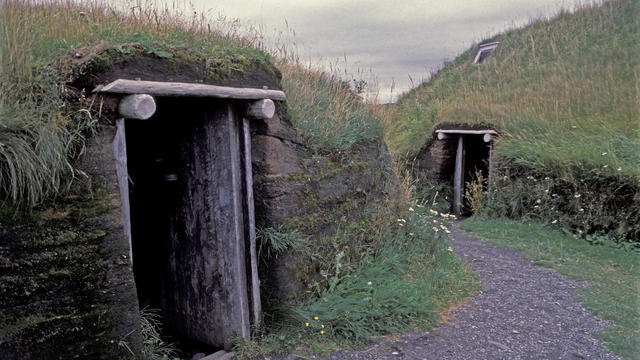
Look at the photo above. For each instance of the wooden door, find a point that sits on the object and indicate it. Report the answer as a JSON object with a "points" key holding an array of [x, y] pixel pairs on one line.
{"points": [[199, 220]]}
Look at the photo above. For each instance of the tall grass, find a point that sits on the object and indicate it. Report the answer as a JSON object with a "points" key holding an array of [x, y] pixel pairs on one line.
{"points": [[327, 112]]}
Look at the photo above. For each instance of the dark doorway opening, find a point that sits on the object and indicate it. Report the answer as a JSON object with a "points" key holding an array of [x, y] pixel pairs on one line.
{"points": [[476, 162], [463, 156]]}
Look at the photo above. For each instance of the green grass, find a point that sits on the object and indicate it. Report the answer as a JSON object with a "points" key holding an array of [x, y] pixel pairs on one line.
{"points": [[327, 114], [402, 283], [561, 92], [614, 273]]}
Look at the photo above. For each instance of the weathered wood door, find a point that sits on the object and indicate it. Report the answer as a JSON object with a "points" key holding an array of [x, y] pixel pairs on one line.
{"points": [[200, 212]]}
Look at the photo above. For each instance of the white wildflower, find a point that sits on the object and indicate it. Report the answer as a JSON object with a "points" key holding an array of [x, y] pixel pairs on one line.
{"points": [[369, 283], [435, 229], [554, 221], [604, 153], [411, 209], [576, 195]]}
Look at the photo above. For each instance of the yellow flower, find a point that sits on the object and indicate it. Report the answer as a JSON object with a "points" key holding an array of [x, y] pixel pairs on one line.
{"points": [[306, 324], [322, 332], [315, 318]]}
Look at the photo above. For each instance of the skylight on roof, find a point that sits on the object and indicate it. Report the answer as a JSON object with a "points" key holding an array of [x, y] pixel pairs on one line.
{"points": [[484, 50]]}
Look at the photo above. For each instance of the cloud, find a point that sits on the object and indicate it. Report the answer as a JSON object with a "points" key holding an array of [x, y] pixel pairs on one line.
{"points": [[395, 39]]}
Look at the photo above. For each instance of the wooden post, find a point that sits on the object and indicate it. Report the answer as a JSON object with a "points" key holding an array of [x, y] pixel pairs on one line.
{"points": [[120, 155], [458, 180], [239, 270], [250, 225], [490, 170]]}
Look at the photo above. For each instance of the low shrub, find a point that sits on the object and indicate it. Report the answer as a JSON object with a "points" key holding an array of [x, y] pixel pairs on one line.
{"points": [[586, 201]]}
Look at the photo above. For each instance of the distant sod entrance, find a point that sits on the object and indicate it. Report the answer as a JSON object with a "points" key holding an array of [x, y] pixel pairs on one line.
{"points": [[464, 155], [185, 177]]}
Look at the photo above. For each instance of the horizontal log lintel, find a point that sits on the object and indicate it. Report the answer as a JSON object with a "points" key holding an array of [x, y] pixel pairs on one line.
{"points": [[160, 88], [466, 132]]}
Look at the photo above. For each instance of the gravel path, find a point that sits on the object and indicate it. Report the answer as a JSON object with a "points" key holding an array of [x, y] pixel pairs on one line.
{"points": [[524, 312]]}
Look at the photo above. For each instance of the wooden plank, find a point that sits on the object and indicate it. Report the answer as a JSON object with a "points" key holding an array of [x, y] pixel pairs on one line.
{"points": [[159, 88], [250, 224], [206, 295], [120, 154], [490, 167], [458, 180], [239, 266], [470, 132]]}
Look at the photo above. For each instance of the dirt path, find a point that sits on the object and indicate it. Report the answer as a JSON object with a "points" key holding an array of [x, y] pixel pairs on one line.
{"points": [[524, 312]]}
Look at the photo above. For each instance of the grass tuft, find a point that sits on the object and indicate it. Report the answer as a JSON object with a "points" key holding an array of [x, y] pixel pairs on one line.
{"points": [[328, 114], [153, 346]]}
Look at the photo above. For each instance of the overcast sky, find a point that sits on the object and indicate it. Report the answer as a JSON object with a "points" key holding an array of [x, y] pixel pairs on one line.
{"points": [[396, 40]]}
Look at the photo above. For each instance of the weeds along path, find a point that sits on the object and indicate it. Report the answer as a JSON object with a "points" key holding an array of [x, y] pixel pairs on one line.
{"points": [[523, 312]]}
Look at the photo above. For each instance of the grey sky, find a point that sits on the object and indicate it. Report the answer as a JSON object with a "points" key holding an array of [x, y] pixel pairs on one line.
{"points": [[395, 39]]}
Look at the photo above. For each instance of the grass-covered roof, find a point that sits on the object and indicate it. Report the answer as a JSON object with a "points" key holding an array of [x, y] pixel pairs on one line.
{"points": [[563, 92]]}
